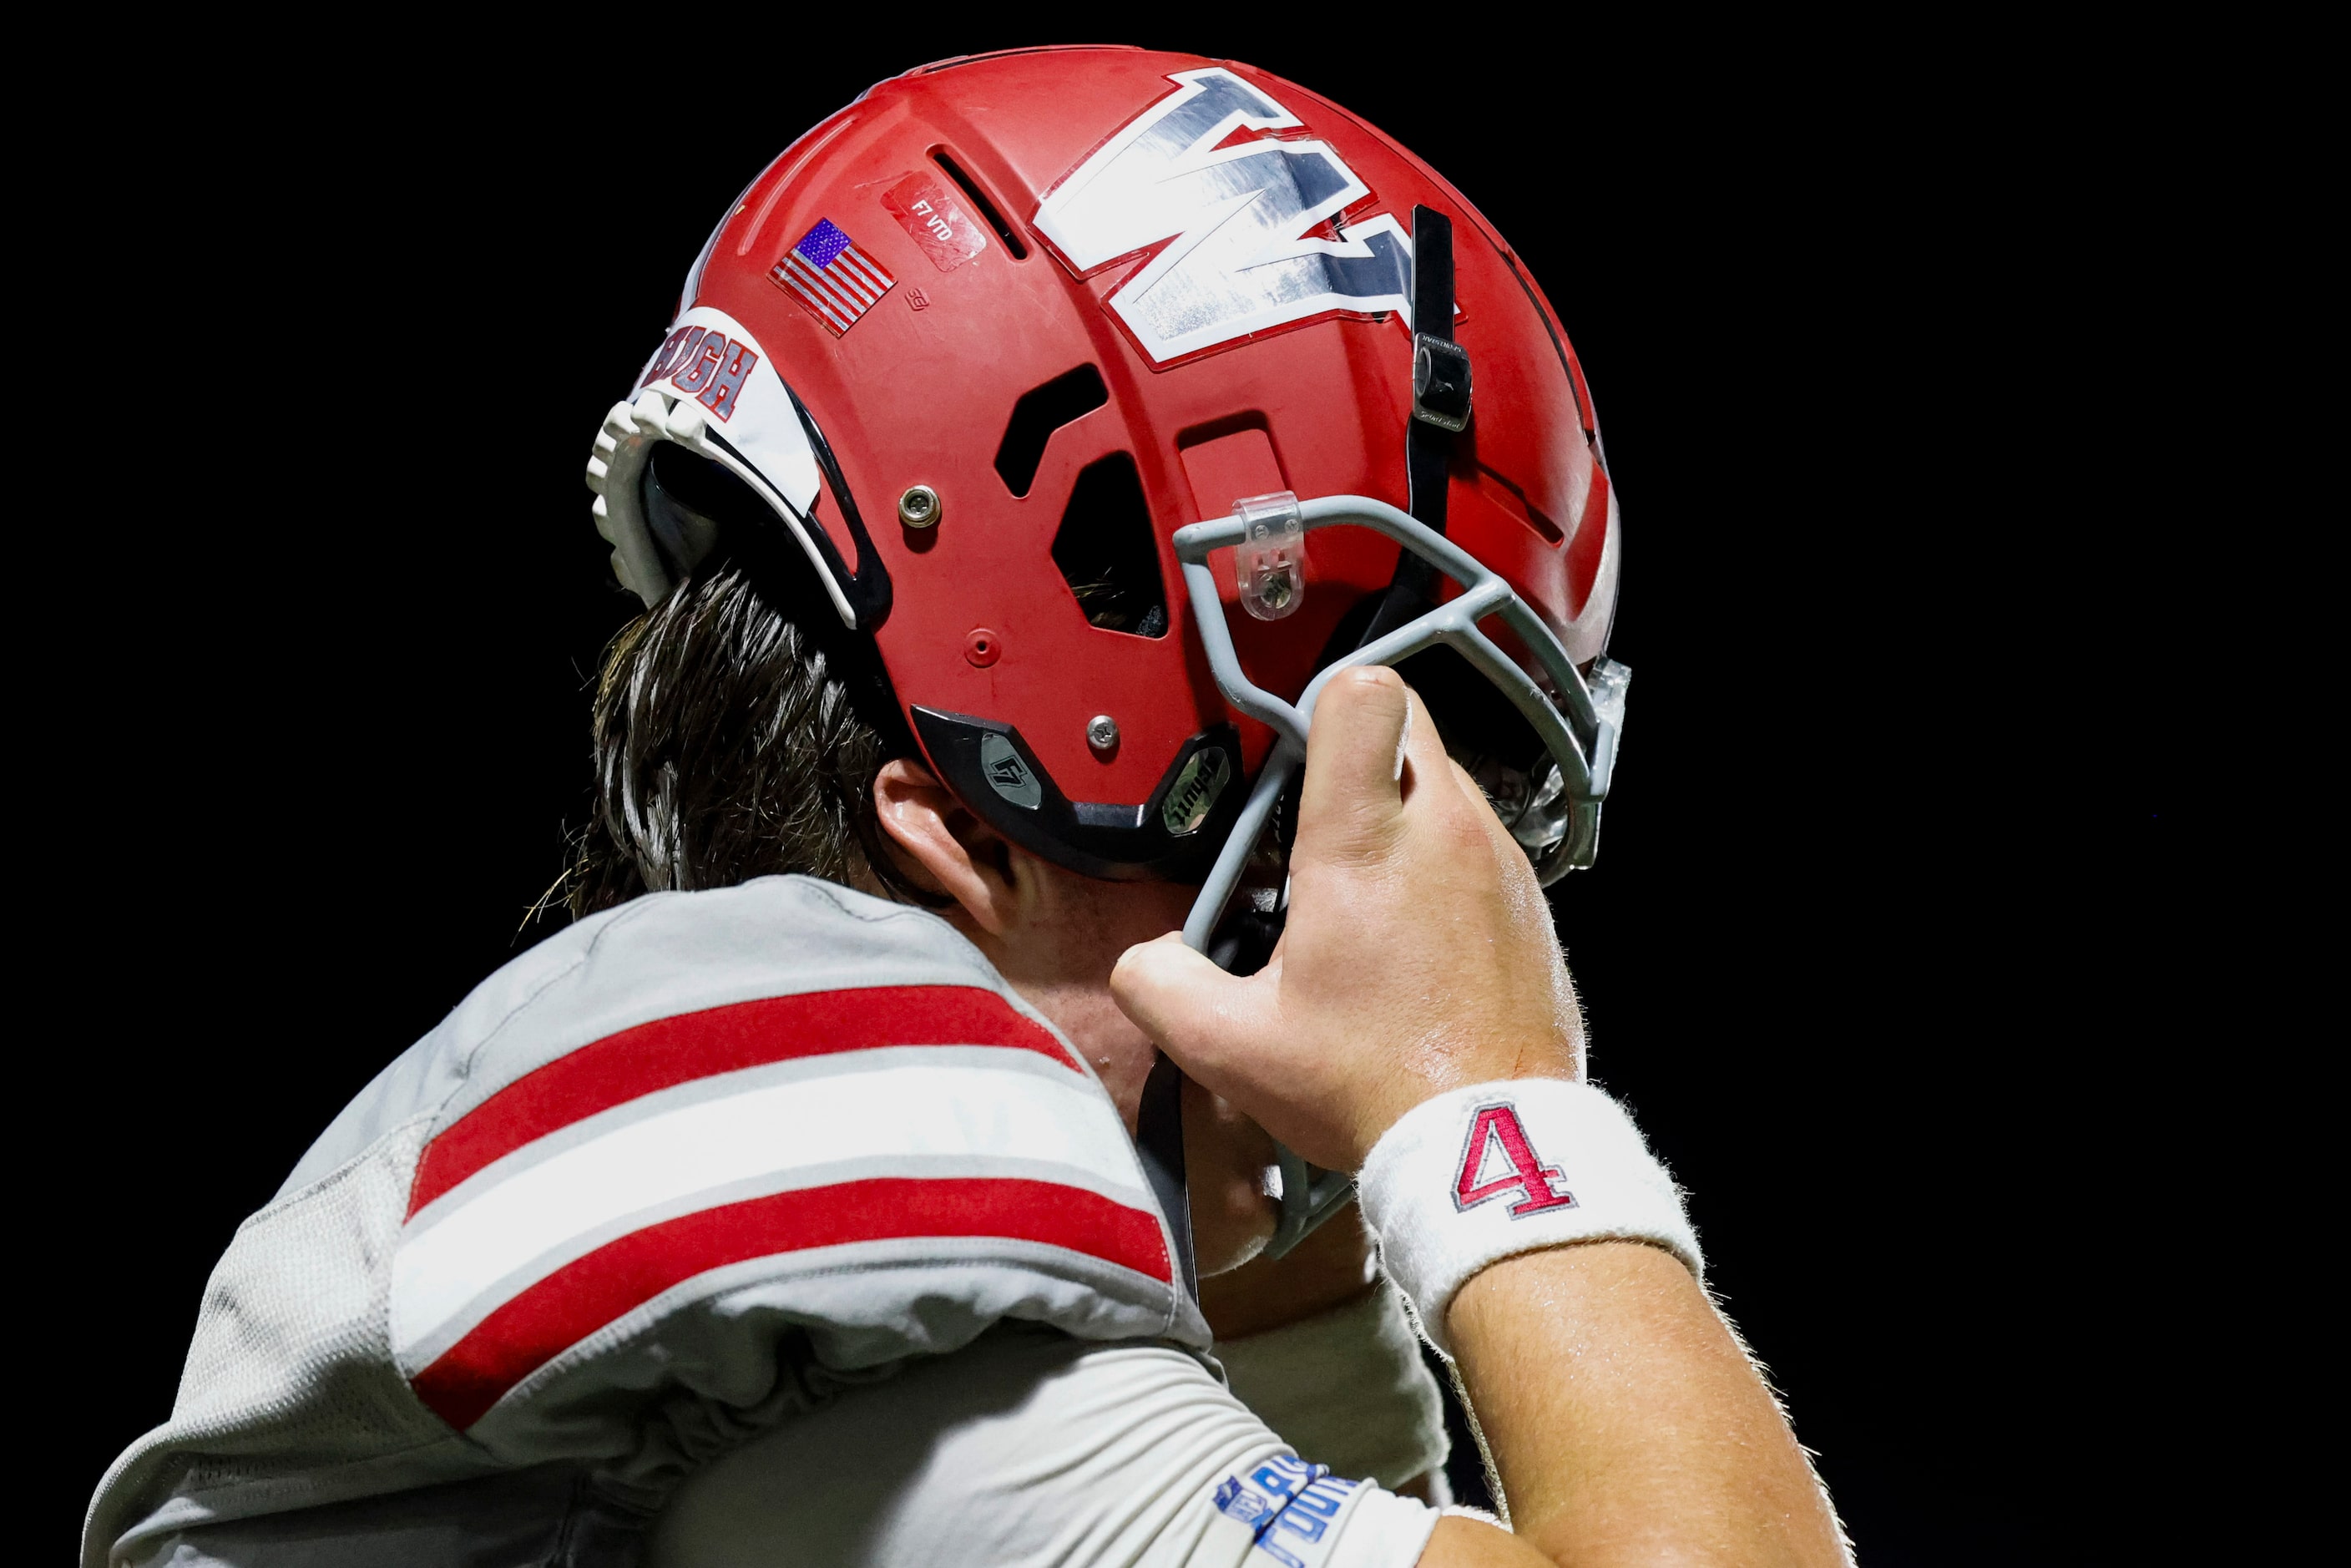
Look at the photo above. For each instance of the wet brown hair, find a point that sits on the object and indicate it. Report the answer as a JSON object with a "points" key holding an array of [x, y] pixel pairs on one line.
{"points": [[736, 734]]}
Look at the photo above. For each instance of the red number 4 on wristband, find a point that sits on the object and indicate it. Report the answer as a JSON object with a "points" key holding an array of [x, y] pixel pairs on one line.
{"points": [[1496, 1129]]}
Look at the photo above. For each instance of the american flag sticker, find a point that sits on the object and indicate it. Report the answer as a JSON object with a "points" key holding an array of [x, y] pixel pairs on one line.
{"points": [[833, 277]]}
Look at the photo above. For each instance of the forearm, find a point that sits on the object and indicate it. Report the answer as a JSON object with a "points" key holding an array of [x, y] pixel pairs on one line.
{"points": [[1547, 1251], [1625, 1420], [1418, 1027]]}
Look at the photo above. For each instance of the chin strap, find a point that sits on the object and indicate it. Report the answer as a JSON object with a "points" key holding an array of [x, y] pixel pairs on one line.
{"points": [[1440, 410], [1159, 1140]]}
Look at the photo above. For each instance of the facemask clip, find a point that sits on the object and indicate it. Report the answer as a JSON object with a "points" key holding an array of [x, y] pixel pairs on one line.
{"points": [[1270, 559]]}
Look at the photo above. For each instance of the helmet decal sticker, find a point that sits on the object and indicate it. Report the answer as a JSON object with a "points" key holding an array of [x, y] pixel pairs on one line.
{"points": [[930, 213], [707, 365], [1237, 260], [827, 273], [1007, 774], [1197, 788]]}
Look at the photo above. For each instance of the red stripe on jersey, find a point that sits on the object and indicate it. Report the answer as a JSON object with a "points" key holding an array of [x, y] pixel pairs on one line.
{"points": [[559, 1311], [673, 1051]]}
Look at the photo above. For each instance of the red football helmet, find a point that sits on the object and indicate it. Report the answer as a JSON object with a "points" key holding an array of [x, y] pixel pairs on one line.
{"points": [[1060, 365]]}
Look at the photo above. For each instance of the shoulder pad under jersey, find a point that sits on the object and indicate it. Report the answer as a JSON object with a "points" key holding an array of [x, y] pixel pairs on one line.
{"points": [[662, 1179]]}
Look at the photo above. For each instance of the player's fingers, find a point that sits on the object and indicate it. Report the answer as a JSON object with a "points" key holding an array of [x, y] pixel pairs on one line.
{"points": [[1190, 1007], [1350, 801], [1426, 761]]}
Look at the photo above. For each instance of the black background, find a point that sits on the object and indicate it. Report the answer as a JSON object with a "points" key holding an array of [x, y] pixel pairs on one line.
{"points": [[1889, 889]]}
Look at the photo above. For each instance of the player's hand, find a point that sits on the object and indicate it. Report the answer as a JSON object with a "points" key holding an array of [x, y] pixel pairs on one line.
{"points": [[1418, 956]]}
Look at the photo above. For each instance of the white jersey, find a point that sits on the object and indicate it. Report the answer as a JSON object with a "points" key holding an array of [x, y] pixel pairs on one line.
{"points": [[679, 1177], [1034, 1451], [680, 1171]]}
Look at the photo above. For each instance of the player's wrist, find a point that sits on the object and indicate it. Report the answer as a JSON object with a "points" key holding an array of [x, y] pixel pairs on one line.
{"points": [[1486, 1171], [1405, 1089]]}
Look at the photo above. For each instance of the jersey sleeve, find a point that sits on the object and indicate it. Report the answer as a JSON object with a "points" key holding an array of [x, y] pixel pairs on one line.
{"points": [[679, 1175], [1032, 1449]]}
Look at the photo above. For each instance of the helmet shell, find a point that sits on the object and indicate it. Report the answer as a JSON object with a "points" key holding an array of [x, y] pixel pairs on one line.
{"points": [[955, 182]]}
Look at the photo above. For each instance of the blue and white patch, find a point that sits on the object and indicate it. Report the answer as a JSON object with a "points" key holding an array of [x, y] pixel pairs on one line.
{"points": [[1237, 260], [1235, 1501], [1291, 1510]]}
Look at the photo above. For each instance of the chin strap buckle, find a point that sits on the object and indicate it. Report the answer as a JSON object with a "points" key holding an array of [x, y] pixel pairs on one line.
{"points": [[1440, 410], [1440, 382]]}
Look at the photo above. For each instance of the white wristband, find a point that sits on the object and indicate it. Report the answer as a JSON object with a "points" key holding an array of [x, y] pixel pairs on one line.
{"points": [[1477, 1175]]}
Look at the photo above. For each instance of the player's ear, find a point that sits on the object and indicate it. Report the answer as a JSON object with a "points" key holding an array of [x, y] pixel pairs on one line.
{"points": [[945, 848]]}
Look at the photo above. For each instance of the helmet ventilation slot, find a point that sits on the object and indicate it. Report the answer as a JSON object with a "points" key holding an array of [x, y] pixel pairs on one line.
{"points": [[989, 211], [1513, 500], [1107, 554], [1041, 411]]}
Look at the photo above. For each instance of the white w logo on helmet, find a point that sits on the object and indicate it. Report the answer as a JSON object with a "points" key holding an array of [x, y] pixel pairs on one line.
{"points": [[1238, 261]]}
